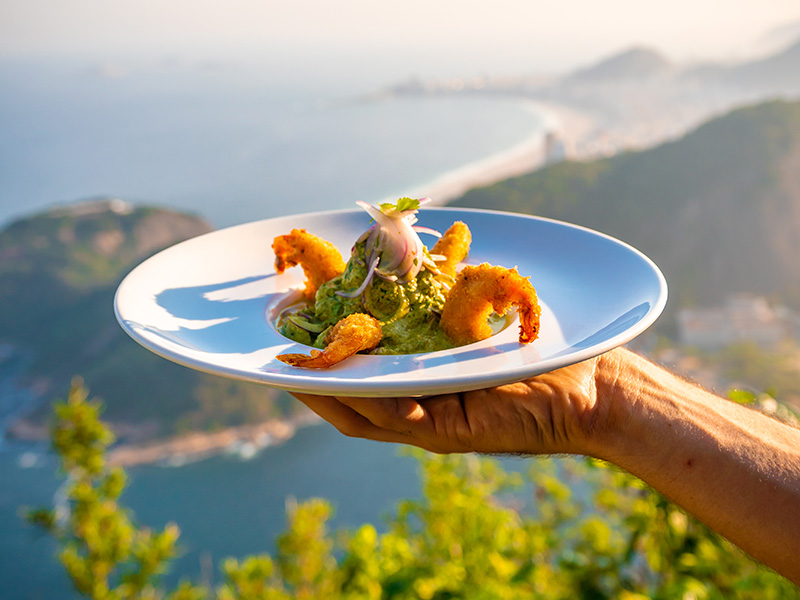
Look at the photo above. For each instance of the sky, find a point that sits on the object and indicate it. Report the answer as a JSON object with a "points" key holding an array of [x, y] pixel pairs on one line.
{"points": [[473, 34]]}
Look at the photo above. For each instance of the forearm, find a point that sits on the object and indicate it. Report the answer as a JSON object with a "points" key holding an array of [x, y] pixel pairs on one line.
{"points": [[735, 469]]}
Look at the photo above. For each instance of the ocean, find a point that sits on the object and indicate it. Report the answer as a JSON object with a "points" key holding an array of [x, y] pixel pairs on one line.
{"points": [[231, 143], [223, 505]]}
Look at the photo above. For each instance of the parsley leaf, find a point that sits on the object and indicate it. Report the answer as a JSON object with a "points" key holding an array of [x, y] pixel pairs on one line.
{"points": [[403, 204]]}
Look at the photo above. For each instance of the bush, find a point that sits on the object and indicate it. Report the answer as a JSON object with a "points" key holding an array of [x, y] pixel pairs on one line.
{"points": [[470, 536]]}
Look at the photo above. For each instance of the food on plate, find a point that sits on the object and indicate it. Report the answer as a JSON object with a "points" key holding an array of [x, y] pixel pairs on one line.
{"points": [[452, 247], [392, 295], [482, 290], [353, 334], [321, 260]]}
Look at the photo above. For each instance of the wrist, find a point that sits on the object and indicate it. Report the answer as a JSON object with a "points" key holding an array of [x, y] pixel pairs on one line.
{"points": [[625, 386]]}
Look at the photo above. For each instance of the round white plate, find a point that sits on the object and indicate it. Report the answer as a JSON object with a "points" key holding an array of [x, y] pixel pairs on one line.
{"points": [[210, 302]]}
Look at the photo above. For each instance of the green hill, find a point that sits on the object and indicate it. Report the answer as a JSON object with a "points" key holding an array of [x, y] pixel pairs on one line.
{"points": [[58, 274], [718, 210]]}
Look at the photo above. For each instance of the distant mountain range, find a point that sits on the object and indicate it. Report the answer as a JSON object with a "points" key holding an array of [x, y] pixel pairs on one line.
{"points": [[718, 210], [776, 73], [58, 274], [634, 63], [779, 72]]}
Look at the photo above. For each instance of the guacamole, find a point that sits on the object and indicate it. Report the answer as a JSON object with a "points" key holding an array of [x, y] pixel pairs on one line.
{"points": [[408, 312]]}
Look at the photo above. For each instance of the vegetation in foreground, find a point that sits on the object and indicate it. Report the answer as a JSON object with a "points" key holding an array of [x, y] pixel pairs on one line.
{"points": [[468, 537]]}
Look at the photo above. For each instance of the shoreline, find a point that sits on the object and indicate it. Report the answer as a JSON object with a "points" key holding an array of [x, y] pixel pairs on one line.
{"points": [[571, 126], [245, 441]]}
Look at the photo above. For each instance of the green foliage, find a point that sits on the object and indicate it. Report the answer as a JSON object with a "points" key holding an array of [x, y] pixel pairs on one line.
{"points": [[106, 556], [472, 535], [776, 371], [58, 275]]}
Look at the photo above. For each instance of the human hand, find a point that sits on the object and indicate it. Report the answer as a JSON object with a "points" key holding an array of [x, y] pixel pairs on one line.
{"points": [[557, 412]]}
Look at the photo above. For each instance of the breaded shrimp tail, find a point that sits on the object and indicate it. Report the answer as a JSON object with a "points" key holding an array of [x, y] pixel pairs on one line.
{"points": [[477, 292], [454, 246], [321, 260], [353, 334]]}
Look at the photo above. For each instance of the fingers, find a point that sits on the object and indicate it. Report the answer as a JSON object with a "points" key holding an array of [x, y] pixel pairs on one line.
{"points": [[437, 424], [401, 415], [351, 423]]}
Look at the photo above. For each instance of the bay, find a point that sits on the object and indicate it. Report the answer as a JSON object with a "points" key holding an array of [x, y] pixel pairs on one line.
{"points": [[231, 143]]}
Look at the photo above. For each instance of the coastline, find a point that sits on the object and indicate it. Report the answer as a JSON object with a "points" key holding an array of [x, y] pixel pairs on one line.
{"points": [[244, 441], [571, 126]]}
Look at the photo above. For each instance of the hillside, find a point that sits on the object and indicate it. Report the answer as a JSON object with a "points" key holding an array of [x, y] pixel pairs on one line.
{"points": [[633, 63], [777, 73], [58, 274], [718, 210], [774, 72]]}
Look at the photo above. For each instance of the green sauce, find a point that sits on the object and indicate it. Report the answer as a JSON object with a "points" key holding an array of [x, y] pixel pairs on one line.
{"points": [[409, 313]]}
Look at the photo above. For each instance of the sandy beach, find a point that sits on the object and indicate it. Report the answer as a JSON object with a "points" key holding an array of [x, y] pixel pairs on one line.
{"points": [[572, 127], [244, 441]]}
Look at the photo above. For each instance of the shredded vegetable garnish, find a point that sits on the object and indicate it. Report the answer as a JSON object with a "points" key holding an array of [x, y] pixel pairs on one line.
{"points": [[393, 245]]}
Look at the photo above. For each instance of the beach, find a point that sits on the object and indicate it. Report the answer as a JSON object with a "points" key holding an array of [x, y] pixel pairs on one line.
{"points": [[243, 441], [572, 127]]}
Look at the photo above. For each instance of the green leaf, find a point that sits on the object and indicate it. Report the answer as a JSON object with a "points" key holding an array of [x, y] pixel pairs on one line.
{"points": [[403, 204], [742, 396]]}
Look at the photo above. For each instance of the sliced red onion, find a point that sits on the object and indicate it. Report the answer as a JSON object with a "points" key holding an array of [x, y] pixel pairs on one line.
{"points": [[427, 230], [430, 265], [395, 242], [392, 278], [309, 327]]}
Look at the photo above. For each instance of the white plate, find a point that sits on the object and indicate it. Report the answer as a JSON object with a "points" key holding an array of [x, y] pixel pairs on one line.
{"points": [[209, 303]]}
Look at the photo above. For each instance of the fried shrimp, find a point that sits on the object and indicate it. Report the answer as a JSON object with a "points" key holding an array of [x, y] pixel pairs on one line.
{"points": [[477, 292], [321, 260], [454, 246], [353, 334]]}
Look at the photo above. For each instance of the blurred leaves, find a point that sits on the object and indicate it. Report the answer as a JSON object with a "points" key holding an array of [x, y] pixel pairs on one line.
{"points": [[567, 529]]}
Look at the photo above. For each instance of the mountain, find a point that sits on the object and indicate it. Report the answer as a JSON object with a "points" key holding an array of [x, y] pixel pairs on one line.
{"points": [[634, 63], [777, 38], [58, 274], [777, 73], [718, 210]]}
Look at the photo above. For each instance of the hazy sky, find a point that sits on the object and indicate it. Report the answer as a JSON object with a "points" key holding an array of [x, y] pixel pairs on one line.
{"points": [[488, 33]]}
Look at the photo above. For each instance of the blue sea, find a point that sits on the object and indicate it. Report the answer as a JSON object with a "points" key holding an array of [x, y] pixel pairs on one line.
{"points": [[232, 142]]}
